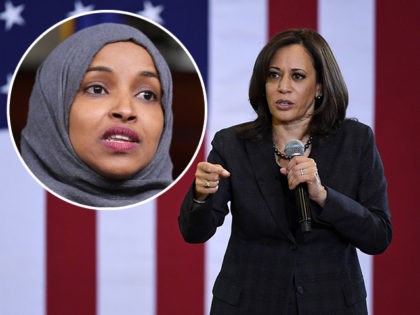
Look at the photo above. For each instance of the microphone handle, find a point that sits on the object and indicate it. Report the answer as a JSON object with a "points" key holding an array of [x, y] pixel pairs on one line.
{"points": [[302, 201]]}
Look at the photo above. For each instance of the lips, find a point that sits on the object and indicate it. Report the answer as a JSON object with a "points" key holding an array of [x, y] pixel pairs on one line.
{"points": [[284, 104], [120, 139]]}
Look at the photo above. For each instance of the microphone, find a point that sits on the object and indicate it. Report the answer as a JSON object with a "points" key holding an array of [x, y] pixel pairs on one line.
{"points": [[296, 148]]}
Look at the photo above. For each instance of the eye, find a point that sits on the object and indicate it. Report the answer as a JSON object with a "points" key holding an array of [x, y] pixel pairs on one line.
{"points": [[147, 96], [298, 76], [273, 75], [95, 89]]}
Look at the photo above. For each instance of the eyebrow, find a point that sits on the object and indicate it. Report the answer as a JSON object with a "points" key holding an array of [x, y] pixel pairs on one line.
{"points": [[293, 69], [147, 74], [99, 68]]}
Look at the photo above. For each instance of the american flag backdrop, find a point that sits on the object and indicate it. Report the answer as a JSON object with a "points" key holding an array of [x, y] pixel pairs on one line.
{"points": [[57, 259]]}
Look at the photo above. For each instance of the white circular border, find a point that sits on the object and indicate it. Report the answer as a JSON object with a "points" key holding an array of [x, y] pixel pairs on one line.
{"points": [[202, 88]]}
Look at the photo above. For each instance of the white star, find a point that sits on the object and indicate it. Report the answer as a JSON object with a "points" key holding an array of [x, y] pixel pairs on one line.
{"points": [[4, 89], [152, 12], [11, 15], [80, 8]]}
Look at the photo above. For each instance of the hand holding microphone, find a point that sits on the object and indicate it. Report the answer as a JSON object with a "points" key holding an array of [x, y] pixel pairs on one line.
{"points": [[304, 180]]}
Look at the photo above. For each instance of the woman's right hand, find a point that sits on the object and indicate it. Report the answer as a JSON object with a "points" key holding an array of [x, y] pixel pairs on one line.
{"points": [[207, 178]]}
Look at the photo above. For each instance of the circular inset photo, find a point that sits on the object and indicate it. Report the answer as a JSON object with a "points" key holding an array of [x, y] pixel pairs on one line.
{"points": [[107, 110]]}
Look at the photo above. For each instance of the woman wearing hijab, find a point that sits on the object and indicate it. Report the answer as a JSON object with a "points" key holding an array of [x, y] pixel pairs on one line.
{"points": [[100, 120]]}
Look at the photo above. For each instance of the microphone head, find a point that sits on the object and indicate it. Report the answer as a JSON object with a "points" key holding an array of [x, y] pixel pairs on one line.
{"points": [[294, 148]]}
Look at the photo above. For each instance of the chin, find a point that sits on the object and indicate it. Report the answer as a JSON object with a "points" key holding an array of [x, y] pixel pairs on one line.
{"points": [[119, 174], [118, 167]]}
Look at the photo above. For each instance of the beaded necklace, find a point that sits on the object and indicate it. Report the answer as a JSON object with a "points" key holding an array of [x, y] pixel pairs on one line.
{"points": [[288, 157]]}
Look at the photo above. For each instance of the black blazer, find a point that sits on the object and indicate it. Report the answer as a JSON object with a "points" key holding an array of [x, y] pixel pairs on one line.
{"points": [[267, 262]]}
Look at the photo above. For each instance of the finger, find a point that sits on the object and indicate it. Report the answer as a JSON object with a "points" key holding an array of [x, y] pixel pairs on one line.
{"points": [[224, 173], [304, 171], [219, 170], [284, 171], [205, 187], [210, 168], [204, 171], [303, 174], [207, 183], [207, 178]]}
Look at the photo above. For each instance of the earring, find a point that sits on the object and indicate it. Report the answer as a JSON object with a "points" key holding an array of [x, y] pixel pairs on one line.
{"points": [[317, 101]]}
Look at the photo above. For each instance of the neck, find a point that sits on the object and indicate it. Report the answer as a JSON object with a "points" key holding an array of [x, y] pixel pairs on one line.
{"points": [[282, 134]]}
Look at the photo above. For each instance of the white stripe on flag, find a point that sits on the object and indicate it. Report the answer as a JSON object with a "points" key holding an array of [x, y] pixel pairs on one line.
{"points": [[22, 230], [349, 28], [238, 31], [126, 260]]}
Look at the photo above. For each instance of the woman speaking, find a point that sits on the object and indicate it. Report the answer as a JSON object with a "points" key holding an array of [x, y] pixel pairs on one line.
{"points": [[271, 264], [100, 118]]}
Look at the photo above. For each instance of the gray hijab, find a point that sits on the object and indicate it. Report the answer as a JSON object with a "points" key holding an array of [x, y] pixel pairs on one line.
{"points": [[45, 142]]}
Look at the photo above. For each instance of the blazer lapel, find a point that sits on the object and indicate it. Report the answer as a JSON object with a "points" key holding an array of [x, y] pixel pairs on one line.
{"points": [[267, 174]]}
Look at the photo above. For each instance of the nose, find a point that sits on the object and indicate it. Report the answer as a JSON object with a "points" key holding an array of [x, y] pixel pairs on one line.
{"points": [[284, 84], [124, 110]]}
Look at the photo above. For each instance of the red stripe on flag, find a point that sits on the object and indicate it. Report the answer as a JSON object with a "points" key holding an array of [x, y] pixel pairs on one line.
{"points": [[285, 14], [396, 127], [180, 266], [70, 259]]}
